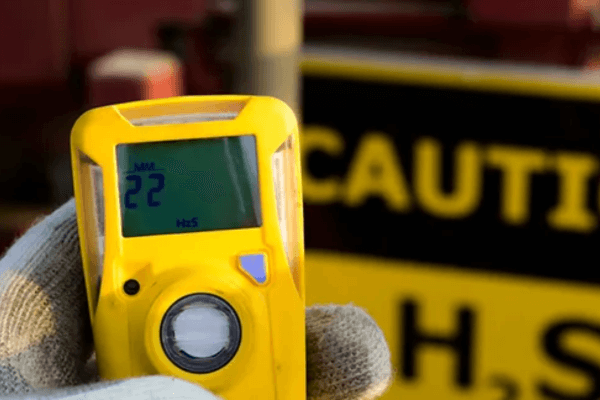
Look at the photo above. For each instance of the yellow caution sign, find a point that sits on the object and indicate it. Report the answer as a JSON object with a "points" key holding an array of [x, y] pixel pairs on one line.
{"points": [[459, 335], [459, 203]]}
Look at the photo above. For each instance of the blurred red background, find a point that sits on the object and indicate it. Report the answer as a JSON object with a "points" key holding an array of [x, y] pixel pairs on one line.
{"points": [[47, 47]]}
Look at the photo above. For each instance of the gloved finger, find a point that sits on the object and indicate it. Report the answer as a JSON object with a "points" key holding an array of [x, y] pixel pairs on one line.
{"points": [[147, 388], [45, 337], [347, 356]]}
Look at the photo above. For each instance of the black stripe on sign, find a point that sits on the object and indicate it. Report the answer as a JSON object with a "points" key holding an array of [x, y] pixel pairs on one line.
{"points": [[566, 133]]}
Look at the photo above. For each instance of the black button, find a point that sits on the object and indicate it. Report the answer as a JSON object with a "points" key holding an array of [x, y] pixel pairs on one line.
{"points": [[131, 287]]}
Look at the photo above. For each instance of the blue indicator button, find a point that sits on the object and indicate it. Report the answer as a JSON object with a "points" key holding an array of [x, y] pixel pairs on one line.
{"points": [[255, 265]]}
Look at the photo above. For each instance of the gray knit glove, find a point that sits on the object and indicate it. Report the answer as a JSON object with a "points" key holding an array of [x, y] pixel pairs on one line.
{"points": [[46, 343]]}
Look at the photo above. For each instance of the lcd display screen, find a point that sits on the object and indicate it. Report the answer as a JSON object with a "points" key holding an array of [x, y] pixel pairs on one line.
{"points": [[188, 186]]}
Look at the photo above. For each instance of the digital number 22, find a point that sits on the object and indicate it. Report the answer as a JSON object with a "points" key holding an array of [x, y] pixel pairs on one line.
{"points": [[137, 180]]}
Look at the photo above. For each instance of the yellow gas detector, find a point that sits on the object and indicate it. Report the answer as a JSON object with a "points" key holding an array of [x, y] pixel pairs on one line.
{"points": [[190, 220]]}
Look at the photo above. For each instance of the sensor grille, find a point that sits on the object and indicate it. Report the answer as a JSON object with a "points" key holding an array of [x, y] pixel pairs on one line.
{"points": [[183, 119]]}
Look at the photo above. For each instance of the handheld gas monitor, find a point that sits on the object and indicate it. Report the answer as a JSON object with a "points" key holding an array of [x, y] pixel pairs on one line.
{"points": [[190, 218]]}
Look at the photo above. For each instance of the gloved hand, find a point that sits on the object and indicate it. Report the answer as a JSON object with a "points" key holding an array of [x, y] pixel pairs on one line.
{"points": [[46, 343]]}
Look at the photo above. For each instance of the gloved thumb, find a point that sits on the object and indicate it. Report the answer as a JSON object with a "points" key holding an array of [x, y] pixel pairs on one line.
{"points": [[147, 388], [45, 339]]}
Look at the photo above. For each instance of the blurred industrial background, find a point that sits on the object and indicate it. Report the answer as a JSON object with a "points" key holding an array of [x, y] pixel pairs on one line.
{"points": [[450, 152]]}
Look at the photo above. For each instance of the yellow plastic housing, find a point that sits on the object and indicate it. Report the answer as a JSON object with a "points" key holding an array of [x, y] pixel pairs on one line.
{"points": [[270, 361]]}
